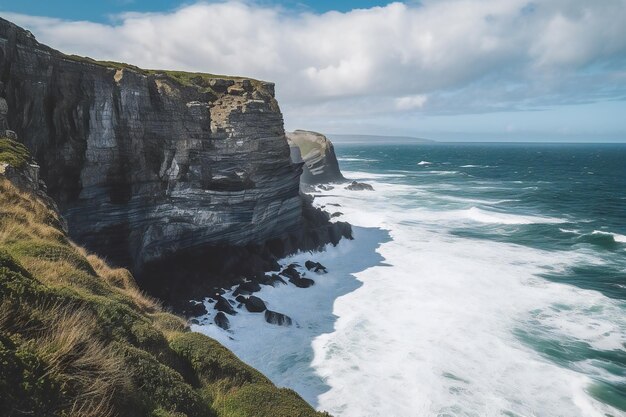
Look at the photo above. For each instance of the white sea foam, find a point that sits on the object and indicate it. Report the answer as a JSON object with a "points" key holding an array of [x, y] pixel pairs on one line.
{"points": [[414, 321], [424, 163], [346, 159], [616, 236]]}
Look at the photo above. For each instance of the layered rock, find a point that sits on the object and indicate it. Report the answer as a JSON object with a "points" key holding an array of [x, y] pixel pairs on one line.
{"points": [[172, 174], [318, 154]]}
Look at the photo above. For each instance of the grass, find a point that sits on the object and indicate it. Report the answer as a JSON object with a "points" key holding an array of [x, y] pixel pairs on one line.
{"points": [[78, 338], [13, 153], [198, 80]]}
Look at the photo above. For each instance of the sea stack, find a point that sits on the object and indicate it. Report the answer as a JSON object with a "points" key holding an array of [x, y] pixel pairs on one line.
{"points": [[317, 153]]}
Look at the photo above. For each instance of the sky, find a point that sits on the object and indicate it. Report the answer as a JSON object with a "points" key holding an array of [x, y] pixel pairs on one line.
{"points": [[460, 70]]}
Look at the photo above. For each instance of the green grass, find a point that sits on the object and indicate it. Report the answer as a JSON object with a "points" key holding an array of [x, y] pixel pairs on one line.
{"points": [[13, 153], [197, 80], [79, 339]]}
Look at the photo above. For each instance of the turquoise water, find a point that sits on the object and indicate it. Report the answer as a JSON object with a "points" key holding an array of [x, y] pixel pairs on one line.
{"points": [[580, 191]]}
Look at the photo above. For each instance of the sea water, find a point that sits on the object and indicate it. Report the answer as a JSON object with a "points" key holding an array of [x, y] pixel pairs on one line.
{"points": [[483, 280]]}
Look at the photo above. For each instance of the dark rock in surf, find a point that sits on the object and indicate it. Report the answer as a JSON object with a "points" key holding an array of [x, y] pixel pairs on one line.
{"points": [[194, 309], [247, 288], [223, 304], [315, 266], [290, 272], [274, 280], [241, 299], [222, 321], [359, 186], [302, 282], [255, 304], [278, 319]]}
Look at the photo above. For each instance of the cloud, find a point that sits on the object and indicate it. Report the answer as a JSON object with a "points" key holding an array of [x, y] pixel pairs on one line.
{"points": [[433, 57], [411, 102]]}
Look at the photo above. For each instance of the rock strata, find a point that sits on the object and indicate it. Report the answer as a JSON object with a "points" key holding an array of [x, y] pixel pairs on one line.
{"points": [[184, 178], [318, 154]]}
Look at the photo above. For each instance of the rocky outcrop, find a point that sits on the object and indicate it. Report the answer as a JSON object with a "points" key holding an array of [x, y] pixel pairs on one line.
{"points": [[318, 154], [175, 175]]}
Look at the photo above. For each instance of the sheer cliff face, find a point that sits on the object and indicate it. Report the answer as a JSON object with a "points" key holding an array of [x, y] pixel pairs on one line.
{"points": [[144, 164]]}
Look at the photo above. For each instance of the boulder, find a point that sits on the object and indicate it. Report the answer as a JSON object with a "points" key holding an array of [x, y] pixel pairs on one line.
{"points": [[221, 320], [315, 266], [255, 304], [194, 309], [278, 319], [223, 304], [241, 299], [290, 272], [302, 282], [336, 214], [359, 186], [274, 280], [247, 288]]}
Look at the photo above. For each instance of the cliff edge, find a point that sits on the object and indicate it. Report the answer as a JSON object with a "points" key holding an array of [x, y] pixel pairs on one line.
{"points": [[179, 176]]}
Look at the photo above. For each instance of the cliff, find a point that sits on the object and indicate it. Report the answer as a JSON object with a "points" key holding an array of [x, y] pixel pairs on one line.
{"points": [[318, 154], [78, 338], [178, 176]]}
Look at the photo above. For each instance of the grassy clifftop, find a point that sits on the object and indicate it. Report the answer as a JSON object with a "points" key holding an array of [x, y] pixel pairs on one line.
{"points": [[78, 338]]}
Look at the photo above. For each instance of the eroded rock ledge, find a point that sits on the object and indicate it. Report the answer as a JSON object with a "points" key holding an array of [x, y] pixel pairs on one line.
{"points": [[181, 177]]}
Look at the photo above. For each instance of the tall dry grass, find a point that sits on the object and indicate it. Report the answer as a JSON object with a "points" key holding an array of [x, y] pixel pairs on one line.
{"points": [[90, 371]]}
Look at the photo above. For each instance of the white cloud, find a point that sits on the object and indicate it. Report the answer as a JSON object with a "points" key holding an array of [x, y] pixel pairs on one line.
{"points": [[464, 55], [411, 102]]}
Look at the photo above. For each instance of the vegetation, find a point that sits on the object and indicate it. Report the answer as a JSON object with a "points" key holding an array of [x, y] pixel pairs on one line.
{"points": [[13, 153], [198, 80], [79, 339]]}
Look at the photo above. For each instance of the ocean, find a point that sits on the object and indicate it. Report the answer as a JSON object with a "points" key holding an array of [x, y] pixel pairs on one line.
{"points": [[483, 280]]}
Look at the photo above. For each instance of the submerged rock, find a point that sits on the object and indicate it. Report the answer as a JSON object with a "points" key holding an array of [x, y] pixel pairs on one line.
{"points": [[222, 321], [255, 304], [359, 186], [278, 319]]}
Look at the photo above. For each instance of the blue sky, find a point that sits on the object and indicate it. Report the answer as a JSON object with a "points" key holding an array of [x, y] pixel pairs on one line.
{"points": [[494, 70], [102, 10]]}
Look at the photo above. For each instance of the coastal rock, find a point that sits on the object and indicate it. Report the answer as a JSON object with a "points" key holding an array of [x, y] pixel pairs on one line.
{"points": [[274, 280], [222, 321], [186, 180], [315, 266], [247, 288], [317, 153], [302, 282], [359, 186], [290, 272], [224, 305], [194, 309], [255, 304], [278, 319]]}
